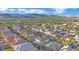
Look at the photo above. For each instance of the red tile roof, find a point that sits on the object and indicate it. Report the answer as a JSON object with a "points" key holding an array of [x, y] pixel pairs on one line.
{"points": [[13, 41], [2, 26]]}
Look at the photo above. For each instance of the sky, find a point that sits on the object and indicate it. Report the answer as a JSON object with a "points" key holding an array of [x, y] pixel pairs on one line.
{"points": [[48, 11]]}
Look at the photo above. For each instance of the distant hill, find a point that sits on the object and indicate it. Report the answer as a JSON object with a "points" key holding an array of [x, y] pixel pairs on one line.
{"points": [[23, 15], [39, 16]]}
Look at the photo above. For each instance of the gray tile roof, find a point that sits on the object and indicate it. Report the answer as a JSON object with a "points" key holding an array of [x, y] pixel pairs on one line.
{"points": [[27, 47]]}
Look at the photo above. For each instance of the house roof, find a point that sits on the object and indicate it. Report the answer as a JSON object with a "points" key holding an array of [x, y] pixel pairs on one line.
{"points": [[27, 47], [15, 41], [1, 47]]}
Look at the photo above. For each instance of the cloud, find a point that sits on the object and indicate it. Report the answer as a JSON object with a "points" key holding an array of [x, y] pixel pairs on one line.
{"points": [[11, 9], [39, 11], [7, 9], [59, 10], [22, 10], [68, 15], [3, 9]]}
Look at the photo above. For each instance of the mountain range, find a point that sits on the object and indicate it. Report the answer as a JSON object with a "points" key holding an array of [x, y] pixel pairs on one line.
{"points": [[20, 16]]}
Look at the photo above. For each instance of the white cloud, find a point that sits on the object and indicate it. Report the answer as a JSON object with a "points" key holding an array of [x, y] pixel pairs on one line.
{"points": [[59, 10], [39, 11], [68, 16], [12, 9], [22, 10], [7, 9], [3, 9]]}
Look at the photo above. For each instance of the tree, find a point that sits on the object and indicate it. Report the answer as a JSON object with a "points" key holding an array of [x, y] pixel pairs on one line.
{"points": [[29, 29], [64, 42], [56, 37], [24, 36], [29, 39], [8, 48], [71, 41]]}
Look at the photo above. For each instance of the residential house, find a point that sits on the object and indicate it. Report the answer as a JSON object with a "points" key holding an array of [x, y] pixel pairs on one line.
{"points": [[13, 41], [76, 38], [1, 47], [53, 46], [26, 47], [47, 33]]}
